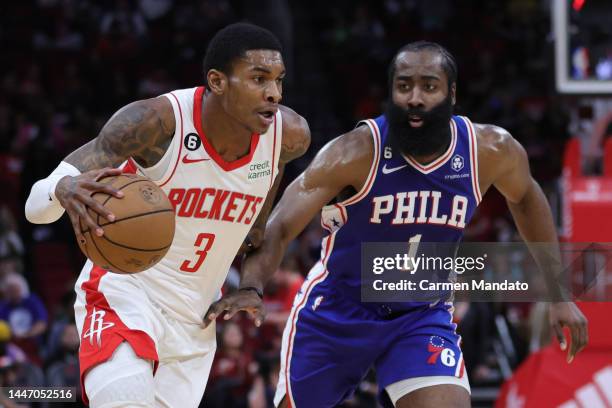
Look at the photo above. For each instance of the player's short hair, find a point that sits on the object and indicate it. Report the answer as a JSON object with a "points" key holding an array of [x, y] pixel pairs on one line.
{"points": [[233, 42], [449, 65]]}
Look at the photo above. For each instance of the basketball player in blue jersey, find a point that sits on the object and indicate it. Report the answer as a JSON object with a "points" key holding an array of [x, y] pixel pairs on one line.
{"points": [[393, 179]]}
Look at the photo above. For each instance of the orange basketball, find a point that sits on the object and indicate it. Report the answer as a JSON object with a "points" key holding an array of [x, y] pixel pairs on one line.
{"points": [[143, 229]]}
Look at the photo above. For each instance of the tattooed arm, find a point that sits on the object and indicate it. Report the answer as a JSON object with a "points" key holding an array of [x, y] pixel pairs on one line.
{"points": [[141, 130]]}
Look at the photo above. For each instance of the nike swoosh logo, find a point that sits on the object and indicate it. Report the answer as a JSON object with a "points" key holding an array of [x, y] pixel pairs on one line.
{"points": [[385, 170], [187, 160]]}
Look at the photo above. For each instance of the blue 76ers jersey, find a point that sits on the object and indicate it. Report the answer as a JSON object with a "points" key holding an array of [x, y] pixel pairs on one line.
{"points": [[402, 201]]}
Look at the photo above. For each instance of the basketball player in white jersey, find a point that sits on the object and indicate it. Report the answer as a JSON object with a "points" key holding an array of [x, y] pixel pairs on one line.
{"points": [[218, 152]]}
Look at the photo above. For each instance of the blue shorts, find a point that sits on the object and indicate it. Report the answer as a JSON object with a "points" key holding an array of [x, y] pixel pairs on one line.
{"points": [[330, 342]]}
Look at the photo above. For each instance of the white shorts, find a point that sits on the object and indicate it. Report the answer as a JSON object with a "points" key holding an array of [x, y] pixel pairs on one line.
{"points": [[112, 308]]}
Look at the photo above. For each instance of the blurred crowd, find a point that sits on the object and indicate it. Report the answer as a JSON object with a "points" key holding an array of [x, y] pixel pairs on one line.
{"points": [[67, 65]]}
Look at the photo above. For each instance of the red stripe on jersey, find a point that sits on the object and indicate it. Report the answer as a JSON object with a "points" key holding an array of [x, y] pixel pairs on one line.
{"points": [[325, 226], [130, 167], [92, 353], [181, 135], [342, 213], [472, 137], [273, 153], [197, 121]]}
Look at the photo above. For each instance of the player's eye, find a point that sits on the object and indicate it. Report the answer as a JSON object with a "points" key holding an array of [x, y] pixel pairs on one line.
{"points": [[430, 87], [258, 79]]}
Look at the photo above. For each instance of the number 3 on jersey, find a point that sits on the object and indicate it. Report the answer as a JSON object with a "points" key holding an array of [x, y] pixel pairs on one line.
{"points": [[203, 241]]}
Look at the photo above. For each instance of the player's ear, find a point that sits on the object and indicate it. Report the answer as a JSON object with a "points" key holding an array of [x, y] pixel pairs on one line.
{"points": [[217, 81], [453, 93]]}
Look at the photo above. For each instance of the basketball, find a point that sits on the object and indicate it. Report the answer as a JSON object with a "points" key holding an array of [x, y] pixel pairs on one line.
{"points": [[143, 229]]}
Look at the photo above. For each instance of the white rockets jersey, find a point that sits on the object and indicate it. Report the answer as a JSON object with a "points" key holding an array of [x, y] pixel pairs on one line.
{"points": [[216, 203]]}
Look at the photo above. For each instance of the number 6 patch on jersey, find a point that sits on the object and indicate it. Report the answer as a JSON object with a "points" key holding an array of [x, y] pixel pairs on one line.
{"points": [[192, 142]]}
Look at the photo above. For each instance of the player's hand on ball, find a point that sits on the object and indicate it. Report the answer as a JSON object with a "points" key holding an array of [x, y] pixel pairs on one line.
{"points": [[74, 194], [232, 303], [567, 314]]}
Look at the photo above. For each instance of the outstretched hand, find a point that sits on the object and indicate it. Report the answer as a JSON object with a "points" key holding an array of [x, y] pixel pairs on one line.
{"points": [[234, 302], [567, 314]]}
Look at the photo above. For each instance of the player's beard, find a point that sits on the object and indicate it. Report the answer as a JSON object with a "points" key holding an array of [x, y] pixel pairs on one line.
{"points": [[431, 137]]}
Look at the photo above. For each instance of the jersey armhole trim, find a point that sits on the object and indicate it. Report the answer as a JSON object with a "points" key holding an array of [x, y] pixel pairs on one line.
{"points": [[473, 159], [131, 166], [162, 182], [367, 186], [278, 123]]}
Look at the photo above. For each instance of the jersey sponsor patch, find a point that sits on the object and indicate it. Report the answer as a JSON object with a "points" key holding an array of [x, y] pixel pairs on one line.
{"points": [[457, 163], [259, 170]]}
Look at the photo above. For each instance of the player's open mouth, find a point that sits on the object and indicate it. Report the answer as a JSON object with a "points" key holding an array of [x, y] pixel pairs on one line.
{"points": [[267, 116], [415, 121]]}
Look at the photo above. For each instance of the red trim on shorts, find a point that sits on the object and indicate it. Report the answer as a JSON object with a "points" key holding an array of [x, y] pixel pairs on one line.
{"points": [[91, 353], [178, 157], [197, 121]]}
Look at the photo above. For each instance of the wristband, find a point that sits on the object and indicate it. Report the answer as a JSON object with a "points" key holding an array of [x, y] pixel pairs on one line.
{"points": [[258, 291]]}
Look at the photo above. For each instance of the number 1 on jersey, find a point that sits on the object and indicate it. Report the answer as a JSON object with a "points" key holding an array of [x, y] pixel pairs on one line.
{"points": [[201, 253], [413, 245]]}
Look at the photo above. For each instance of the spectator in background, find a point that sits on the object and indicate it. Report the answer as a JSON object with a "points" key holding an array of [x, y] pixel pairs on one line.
{"points": [[10, 242], [9, 350], [232, 372], [63, 316], [25, 314], [7, 378], [602, 129], [262, 392], [15, 370], [278, 300], [9, 264], [64, 372], [124, 19]]}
